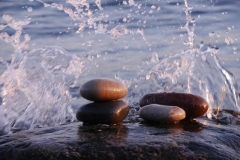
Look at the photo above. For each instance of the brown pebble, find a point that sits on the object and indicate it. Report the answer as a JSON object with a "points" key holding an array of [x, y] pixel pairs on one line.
{"points": [[162, 113], [103, 90], [194, 106], [112, 112]]}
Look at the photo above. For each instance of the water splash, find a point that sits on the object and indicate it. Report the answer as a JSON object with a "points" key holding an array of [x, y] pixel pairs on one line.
{"points": [[189, 26], [15, 39], [35, 86], [35, 89], [191, 71], [86, 18]]}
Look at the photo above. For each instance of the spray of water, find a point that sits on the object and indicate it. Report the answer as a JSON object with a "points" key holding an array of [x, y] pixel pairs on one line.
{"points": [[191, 71], [35, 86]]}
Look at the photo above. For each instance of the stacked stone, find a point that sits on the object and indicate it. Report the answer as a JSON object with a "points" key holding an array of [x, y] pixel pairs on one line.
{"points": [[107, 107], [171, 107]]}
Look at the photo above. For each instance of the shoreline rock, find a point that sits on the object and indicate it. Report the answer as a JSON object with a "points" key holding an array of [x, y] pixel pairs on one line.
{"points": [[184, 140]]}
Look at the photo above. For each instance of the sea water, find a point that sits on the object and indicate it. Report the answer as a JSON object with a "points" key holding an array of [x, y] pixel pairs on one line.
{"points": [[50, 48]]}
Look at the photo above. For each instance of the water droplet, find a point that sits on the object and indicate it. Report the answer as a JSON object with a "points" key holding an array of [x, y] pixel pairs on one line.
{"points": [[201, 44], [150, 12], [139, 6], [229, 40], [183, 27], [7, 17], [98, 3], [140, 31], [192, 20], [125, 2], [116, 76], [27, 37], [153, 7], [131, 2], [211, 34], [199, 16], [234, 48], [154, 58], [148, 76]]}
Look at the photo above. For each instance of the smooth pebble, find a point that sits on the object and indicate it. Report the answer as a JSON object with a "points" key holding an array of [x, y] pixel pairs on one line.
{"points": [[162, 113], [103, 90], [112, 112], [194, 106]]}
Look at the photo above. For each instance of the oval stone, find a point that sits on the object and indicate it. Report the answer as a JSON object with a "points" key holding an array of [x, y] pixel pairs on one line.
{"points": [[113, 112], [194, 106], [162, 113], [103, 90]]}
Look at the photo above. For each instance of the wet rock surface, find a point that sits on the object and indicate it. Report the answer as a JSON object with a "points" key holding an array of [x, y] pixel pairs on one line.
{"points": [[198, 139]]}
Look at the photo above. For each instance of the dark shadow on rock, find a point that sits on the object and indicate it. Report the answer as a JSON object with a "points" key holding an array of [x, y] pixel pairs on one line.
{"points": [[192, 125]]}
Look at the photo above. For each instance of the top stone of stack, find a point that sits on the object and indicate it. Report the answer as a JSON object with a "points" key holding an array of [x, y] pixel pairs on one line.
{"points": [[103, 90]]}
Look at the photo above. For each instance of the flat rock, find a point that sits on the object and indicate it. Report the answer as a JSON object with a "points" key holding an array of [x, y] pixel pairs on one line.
{"points": [[162, 113], [103, 90], [194, 106], [202, 139], [112, 112]]}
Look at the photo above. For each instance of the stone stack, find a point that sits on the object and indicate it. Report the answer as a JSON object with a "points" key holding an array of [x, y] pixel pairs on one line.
{"points": [[170, 107], [106, 108]]}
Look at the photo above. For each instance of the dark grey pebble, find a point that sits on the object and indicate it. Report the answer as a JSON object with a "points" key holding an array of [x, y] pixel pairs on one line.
{"points": [[112, 112]]}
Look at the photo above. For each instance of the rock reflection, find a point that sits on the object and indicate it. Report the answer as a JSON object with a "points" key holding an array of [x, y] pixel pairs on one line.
{"points": [[103, 133], [162, 128], [174, 128]]}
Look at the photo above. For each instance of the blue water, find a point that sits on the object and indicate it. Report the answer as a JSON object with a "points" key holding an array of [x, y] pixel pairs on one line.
{"points": [[162, 30], [121, 39]]}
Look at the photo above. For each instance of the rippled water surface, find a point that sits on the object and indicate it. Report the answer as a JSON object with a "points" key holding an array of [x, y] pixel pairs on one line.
{"points": [[145, 44]]}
